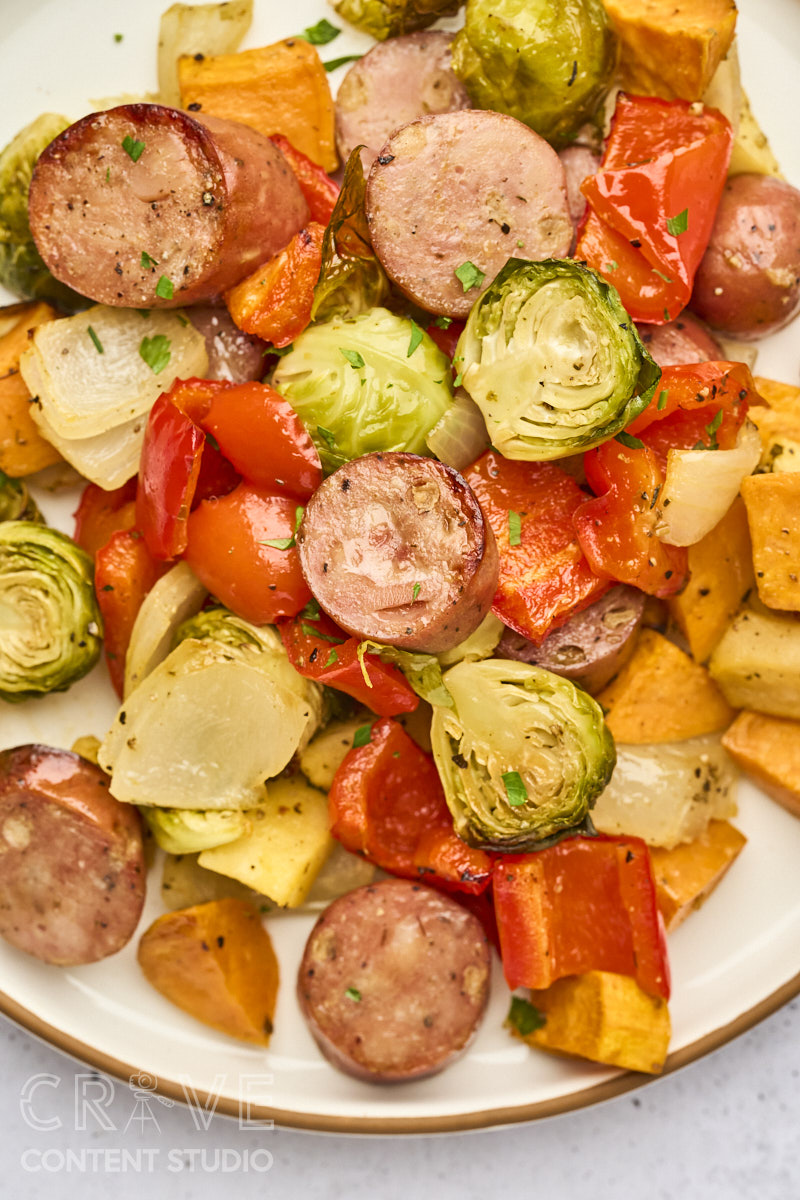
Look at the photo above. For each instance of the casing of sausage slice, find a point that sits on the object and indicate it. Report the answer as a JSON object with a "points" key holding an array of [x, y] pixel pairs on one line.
{"points": [[124, 197], [396, 548], [72, 870], [394, 981]]}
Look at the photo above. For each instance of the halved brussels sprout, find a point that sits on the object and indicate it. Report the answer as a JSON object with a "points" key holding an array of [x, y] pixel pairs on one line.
{"points": [[522, 755], [50, 625], [371, 382], [16, 503], [189, 830], [549, 65], [390, 18], [21, 267], [553, 360]]}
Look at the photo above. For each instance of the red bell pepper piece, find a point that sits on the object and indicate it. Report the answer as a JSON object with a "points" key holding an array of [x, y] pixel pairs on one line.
{"points": [[544, 574], [688, 399], [585, 904], [262, 435], [101, 513], [446, 337], [274, 303], [652, 204], [124, 572], [320, 650], [320, 192], [386, 803]]}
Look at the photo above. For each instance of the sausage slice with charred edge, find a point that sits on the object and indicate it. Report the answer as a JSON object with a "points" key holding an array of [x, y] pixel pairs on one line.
{"points": [[464, 190], [395, 547], [72, 872], [394, 981], [126, 198]]}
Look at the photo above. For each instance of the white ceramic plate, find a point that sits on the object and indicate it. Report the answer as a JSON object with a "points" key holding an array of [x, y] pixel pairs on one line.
{"points": [[733, 962]]}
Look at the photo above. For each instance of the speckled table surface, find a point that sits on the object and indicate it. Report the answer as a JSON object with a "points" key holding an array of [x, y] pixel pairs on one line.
{"points": [[723, 1128]]}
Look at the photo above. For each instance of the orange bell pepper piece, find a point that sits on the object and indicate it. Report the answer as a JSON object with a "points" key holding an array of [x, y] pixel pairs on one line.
{"points": [[274, 303]]}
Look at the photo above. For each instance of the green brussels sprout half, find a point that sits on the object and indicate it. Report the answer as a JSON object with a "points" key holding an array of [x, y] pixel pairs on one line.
{"points": [[50, 625], [370, 382], [522, 754], [221, 625], [16, 502], [189, 830], [549, 65], [390, 18], [21, 267], [553, 360]]}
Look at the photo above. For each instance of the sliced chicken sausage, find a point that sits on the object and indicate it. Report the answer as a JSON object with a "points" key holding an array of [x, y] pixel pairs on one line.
{"points": [[395, 548], [434, 207], [72, 872], [394, 981], [144, 206]]}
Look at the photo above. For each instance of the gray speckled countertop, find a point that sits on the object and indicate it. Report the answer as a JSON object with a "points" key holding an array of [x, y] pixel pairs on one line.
{"points": [[723, 1128]]}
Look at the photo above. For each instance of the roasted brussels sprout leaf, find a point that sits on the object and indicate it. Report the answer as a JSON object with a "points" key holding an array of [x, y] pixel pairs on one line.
{"points": [[553, 361], [422, 671], [357, 389], [522, 754], [390, 18], [187, 830], [351, 279], [16, 503], [50, 625], [21, 267], [549, 65]]}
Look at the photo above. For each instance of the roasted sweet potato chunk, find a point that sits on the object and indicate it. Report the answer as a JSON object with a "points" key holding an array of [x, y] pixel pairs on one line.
{"points": [[687, 874]]}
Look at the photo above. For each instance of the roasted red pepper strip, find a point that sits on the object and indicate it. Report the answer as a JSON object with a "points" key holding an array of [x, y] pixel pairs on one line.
{"points": [[544, 575], [101, 513], [651, 206], [275, 301], [124, 573], [701, 390], [320, 650], [387, 804], [320, 192], [585, 904], [446, 336]]}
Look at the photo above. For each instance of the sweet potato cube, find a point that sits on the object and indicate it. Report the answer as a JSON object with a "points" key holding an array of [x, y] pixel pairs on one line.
{"points": [[23, 450], [773, 514], [688, 873], [671, 48], [661, 695], [606, 1018], [768, 750], [720, 573], [216, 962], [784, 397], [281, 88]]}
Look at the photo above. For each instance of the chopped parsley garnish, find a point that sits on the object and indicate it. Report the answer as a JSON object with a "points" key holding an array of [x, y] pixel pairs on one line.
{"points": [[332, 658], [311, 610], [679, 224], [661, 275], [310, 631], [340, 62], [98, 345], [457, 380], [469, 276], [146, 262], [415, 590], [353, 994], [612, 266], [661, 403], [285, 543], [156, 352], [416, 338], [164, 288], [320, 34], [514, 528], [711, 430], [353, 357], [515, 789], [132, 148], [627, 439], [524, 1016], [279, 351], [443, 322], [327, 436], [362, 736], [118, 37]]}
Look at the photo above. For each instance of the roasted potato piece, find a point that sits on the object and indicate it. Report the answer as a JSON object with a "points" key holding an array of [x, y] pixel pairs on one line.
{"points": [[686, 875], [768, 750], [216, 962], [323, 755], [757, 662], [773, 514], [184, 884], [752, 153]]}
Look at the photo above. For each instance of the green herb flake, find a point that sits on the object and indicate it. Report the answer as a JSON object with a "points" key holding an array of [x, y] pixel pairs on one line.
{"points": [[515, 789], [108, 174], [416, 338], [118, 37], [524, 1017], [353, 357], [183, 320], [667, 317], [311, 610], [457, 380], [714, 425], [353, 994], [146, 262], [332, 658], [320, 34], [156, 352], [327, 436], [679, 224], [340, 62], [362, 736], [627, 439], [132, 148], [279, 351], [612, 266], [310, 631], [98, 345], [415, 590], [661, 403], [443, 322], [514, 528], [469, 276], [164, 288], [661, 275]]}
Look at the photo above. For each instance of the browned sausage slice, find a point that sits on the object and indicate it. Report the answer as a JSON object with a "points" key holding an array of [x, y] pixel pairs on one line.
{"points": [[395, 548], [398, 80], [127, 196], [684, 340], [72, 873], [578, 162], [464, 187], [591, 647], [394, 981]]}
